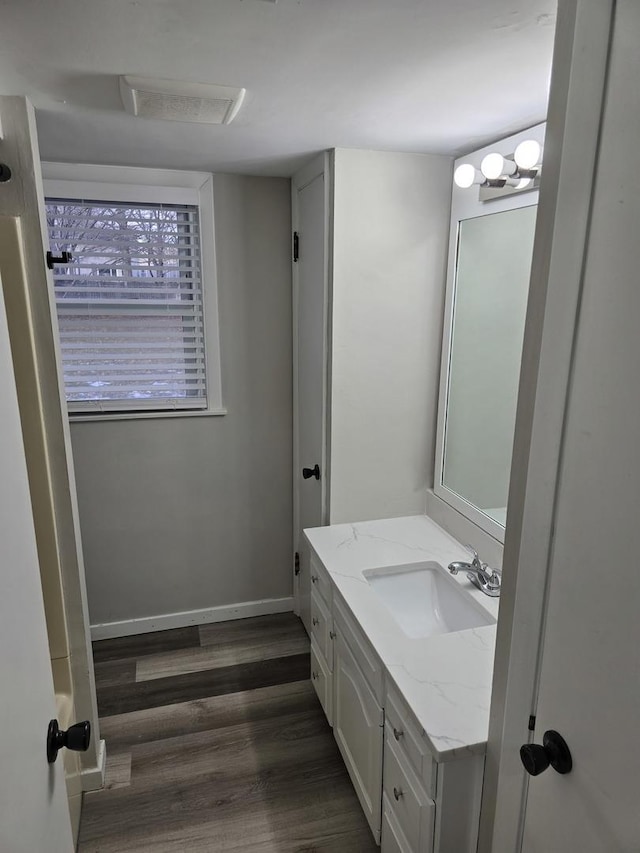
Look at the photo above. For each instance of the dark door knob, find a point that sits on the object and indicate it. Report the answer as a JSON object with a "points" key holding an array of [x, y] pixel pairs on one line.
{"points": [[311, 472], [62, 258], [554, 751], [77, 738]]}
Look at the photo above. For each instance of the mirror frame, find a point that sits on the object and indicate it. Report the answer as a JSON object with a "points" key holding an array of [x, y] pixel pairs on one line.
{"points": [[465, 204]]}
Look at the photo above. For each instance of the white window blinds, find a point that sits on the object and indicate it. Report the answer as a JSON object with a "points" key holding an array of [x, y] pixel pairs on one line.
{"points": [[129, 305]]}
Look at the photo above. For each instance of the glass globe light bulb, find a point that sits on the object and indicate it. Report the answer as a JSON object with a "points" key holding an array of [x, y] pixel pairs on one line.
{"points": [[492, 166], [527, 154], [464, 176]]}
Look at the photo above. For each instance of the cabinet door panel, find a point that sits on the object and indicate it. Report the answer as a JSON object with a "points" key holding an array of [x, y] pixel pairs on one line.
{"points": [[322, 680], [360, 647], [358, 729], [407, 735], [406, 799], [393, 841], [320, 581], [322, 627]]}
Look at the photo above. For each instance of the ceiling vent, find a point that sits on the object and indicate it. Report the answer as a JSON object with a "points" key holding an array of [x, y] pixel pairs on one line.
{"points": [[175, 101]]}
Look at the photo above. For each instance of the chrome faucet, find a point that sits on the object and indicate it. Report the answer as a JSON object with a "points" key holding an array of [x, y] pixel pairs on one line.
{"points": [[480, 574]]}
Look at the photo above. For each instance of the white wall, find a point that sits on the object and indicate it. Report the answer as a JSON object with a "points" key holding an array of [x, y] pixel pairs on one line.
{"points": [[391, 218], [189, 513]]}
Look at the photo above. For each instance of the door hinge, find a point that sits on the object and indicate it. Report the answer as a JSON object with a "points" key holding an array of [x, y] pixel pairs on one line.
{"points": [[532, 723], [296, 564], [296, 247]]}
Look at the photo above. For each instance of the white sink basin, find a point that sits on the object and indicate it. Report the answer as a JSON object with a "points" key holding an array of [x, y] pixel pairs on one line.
{"points": [[424, 600]]}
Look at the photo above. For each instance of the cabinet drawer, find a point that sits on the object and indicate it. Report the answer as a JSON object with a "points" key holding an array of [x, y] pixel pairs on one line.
{"points": [[322, 681], [393, 841], [320, 580], [322, 627], [409, 740], [348, 630], [406, 799]]}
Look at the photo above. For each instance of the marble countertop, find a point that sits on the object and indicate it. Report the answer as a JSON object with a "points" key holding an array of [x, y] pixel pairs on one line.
{"points": [[446, 679]]}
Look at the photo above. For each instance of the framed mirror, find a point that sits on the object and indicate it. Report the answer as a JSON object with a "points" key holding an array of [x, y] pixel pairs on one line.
{"points": [[491, 248]]}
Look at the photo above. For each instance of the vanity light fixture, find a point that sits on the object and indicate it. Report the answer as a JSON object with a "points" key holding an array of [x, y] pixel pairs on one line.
{"points": [[497, 172]]}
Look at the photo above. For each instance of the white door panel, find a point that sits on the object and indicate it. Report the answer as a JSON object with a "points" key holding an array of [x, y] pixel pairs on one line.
{"points": [[310, 373], [589, 689], [34, 814]]}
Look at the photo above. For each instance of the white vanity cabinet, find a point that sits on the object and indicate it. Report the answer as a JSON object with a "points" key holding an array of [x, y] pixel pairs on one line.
{"points": [[413, 802]]}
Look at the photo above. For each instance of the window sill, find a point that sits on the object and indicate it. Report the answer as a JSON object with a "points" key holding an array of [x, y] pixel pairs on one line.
{"points": [[134, 416]]}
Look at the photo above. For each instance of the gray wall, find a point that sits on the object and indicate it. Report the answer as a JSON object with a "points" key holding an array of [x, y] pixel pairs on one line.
{"points": [[188, 513]]}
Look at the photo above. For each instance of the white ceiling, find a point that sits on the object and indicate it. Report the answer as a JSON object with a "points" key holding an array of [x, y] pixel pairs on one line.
{"points": [[440, 76]]}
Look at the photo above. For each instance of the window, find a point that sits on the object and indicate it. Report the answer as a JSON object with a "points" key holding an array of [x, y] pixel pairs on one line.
{"points": [[131, 300]]}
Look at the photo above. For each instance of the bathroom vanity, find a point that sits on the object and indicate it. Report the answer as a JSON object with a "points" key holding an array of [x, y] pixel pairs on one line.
{"points": [[402, 650], [402, 660]]}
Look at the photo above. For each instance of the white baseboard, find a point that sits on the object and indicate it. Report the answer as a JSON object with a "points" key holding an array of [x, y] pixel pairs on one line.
{"points": [[93, 777], [129, 627]]}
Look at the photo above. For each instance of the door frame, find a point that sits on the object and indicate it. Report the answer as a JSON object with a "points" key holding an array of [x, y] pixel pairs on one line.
{"points": [[573, 130], [320, 165]]}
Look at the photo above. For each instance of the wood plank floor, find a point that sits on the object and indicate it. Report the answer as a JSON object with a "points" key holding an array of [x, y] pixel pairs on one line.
{"points": [[216, 742]]}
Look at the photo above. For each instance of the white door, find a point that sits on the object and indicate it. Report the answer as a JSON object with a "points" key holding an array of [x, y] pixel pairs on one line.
{"points": [[589, 683], [34, 814], [310, 305]]}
